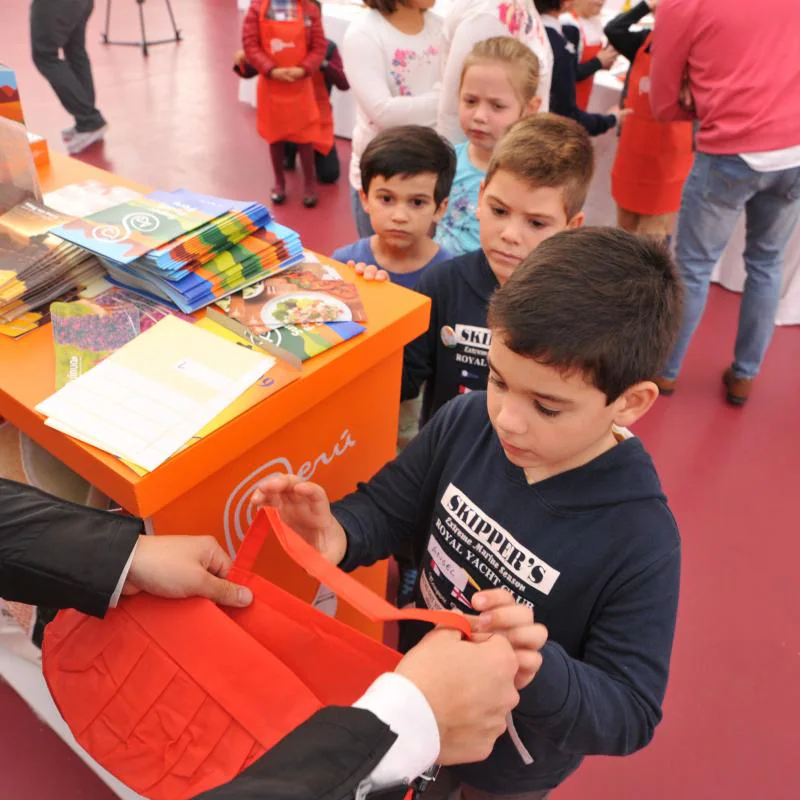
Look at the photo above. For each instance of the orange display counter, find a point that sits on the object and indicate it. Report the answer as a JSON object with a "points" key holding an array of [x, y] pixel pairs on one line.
{"points": [[336, 425]]}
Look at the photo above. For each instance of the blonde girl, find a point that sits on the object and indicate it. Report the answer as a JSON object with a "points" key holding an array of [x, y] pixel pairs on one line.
{"points": [[499, 83]]}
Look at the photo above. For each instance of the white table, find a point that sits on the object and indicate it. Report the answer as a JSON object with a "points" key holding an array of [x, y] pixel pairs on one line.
{"points": [[729, 272]]}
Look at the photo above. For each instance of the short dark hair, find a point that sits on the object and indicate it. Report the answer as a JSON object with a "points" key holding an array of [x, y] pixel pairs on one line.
{"points": [[547, 150], [410, 150], [548, 6], [597, 300], [384, 6]]}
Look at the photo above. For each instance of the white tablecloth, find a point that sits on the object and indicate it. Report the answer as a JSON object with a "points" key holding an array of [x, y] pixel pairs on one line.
{"points": [[601, 210]]}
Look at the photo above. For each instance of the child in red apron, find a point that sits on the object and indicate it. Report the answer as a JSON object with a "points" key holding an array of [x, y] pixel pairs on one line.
{"points": [[583, 28], [653, 158], [326, 165], [284, 40]]}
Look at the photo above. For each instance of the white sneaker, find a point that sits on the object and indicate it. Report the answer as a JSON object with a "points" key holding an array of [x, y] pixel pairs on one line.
{"points": [[81, 140], [68, 133]]}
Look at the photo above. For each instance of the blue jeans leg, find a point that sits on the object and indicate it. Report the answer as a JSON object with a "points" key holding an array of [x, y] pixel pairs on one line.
{"points": [[772, 214], [714, 196], [360, 217]]}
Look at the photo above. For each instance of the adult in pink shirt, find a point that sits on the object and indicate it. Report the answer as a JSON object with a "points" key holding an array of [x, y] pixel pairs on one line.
{"points": [[741, 61]]}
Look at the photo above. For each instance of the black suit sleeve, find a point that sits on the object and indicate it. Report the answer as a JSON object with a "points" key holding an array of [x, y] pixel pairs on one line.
{"points": [[619, 35], [326, 758], [59, 554]]}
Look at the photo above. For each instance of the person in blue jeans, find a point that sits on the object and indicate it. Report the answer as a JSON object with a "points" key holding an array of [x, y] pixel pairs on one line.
{"points": [[718, 189], [748, 159]]}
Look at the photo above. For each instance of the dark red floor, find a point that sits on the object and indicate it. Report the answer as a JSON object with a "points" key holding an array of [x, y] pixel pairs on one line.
{"points": [[732, 475]]}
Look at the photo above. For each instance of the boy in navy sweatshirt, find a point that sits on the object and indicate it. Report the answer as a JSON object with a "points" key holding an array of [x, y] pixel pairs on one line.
{"points": [[535, 186], [533, 496]]}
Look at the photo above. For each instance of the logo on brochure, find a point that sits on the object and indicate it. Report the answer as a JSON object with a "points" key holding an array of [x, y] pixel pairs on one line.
{"points": [[140, 222]]}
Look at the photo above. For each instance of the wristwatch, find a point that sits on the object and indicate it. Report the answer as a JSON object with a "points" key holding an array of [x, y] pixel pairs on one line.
{"points": [[424, 781]]}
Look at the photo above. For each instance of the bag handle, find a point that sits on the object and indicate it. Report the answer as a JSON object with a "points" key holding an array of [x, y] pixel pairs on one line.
{"points": [[345, 586]]}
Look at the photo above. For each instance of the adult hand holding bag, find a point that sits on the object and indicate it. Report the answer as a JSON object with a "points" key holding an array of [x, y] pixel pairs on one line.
{"points": [[175, 697]]}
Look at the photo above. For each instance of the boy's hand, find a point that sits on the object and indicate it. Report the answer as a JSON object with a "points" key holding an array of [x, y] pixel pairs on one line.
{"points": [[304, 507], [184, 566], [369, 272], [500, 613], [469, 687], [296, 73]]}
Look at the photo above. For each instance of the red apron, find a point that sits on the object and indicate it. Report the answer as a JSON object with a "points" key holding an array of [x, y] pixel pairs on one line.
{"points": [[583, 89], [653, 158], [287, 112]]}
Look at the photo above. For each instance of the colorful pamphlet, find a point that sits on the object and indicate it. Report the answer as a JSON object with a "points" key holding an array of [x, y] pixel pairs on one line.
{"points": [[298, 298], [128, 231], [10, 105], [35, 266], [85, 333], [306, 343]]}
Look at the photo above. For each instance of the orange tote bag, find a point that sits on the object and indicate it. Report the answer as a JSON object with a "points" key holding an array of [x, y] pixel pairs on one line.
{"points": [[175, 697]]}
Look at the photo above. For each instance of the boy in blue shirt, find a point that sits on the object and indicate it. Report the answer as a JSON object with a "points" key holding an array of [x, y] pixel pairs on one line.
{"points": [[406, 176], [534, 497]]}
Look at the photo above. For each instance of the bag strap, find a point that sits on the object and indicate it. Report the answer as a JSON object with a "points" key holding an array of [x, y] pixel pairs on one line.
{"points": [[345, 586], [251, 545]]}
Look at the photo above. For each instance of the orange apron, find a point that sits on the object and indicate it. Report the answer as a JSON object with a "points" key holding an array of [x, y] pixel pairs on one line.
{"points": [[287, 112], [583, 89], [653, 158]]}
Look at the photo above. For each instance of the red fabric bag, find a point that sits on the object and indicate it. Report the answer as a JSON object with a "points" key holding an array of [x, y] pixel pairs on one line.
{"points": [[175, 697]]}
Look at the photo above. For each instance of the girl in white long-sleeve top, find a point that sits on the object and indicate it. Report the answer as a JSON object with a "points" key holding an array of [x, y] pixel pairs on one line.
{"points": [[392, 60], [473, 21]]}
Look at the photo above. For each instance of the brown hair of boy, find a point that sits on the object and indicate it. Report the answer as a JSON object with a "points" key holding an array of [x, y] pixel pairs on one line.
{"points": [[599, 301], [551, 151], [408, 150], [520, 60]]}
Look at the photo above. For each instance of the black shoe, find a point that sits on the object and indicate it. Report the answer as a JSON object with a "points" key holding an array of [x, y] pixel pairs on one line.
{"points": [[278, 198], [310, 201]]}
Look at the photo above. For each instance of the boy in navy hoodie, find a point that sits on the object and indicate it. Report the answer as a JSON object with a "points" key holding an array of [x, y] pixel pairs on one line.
{"points": [[533, 496], [535, 186]]}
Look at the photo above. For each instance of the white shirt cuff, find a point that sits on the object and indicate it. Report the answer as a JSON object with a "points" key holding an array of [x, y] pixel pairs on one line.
{"points": [[401, 705], [122, 578]]}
